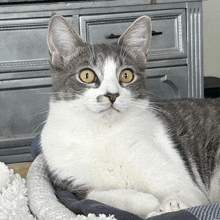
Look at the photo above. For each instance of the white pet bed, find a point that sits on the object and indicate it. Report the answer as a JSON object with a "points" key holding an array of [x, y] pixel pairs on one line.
{"points": [[13, 196], [42, 200]]}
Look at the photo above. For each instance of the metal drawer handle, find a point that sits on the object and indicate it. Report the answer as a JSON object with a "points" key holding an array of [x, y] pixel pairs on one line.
{"points": [[112, 36], [156, 33]]}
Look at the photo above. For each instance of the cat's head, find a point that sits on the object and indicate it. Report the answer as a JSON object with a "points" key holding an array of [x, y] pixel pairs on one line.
{"points": [[104, 79]]}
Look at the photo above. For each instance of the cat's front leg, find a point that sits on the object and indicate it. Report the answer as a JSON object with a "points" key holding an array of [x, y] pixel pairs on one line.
{"points": [[129, 200]]}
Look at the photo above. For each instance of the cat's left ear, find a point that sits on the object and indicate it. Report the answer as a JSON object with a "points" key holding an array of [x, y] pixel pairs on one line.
{"points": [[63, 41], [136, 39]]}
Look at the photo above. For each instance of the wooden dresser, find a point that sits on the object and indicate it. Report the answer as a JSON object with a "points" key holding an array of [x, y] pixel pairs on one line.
{"points": [[174, 68]]}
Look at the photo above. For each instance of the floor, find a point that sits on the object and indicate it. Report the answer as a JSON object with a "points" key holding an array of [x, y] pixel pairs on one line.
{"points": [[21, 168]]}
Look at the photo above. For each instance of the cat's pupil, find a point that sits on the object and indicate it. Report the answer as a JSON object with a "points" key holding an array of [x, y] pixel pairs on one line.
{"points": [[126, 75], [87, 75]]}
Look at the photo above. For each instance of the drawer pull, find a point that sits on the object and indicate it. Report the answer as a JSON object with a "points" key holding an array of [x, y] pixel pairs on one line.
{"points": [[112, 36], [156, 33]]}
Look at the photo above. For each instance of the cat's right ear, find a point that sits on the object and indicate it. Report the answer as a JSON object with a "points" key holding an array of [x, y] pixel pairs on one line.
{"points": [[63, 41], [136, 39]]}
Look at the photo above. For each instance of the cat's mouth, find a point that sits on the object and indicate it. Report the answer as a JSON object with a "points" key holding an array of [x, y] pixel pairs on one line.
{"points": [[110, 109]]}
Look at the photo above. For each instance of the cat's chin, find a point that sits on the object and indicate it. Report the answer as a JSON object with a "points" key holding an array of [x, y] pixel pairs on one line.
{"points": [[110, 114], [113, 114], [107, 116]]}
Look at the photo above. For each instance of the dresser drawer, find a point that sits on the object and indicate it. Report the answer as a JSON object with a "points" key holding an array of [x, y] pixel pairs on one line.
{"points": [[24, 40], [169, 31], [167, 83]]}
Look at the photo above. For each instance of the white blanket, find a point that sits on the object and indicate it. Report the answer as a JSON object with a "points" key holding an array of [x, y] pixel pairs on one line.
{"points": [[16, 199], [13, 196]]}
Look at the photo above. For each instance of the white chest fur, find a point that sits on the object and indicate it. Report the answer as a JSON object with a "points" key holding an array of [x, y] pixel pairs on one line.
{"points": [[135, 153]]}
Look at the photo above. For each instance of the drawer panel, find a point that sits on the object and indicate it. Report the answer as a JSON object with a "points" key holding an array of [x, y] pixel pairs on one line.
{"points": [[17, 158], [24, 39], [167, 83], [23, 111], [17, 149], [170, 26]]}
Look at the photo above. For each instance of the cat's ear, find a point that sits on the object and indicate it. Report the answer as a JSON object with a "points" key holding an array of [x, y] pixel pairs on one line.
{"points": [[136, 39], [63, 41]]}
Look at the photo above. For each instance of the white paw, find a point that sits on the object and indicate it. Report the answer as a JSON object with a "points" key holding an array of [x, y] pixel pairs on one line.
{"points": [[172, 205], [152, 214]]}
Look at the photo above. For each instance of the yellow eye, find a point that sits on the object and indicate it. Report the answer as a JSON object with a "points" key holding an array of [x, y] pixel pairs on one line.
{"points": [[126, 76], [87, 76]]}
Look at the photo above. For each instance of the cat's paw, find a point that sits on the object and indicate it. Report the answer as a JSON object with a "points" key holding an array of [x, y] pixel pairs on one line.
{"points": [[152, 214], [172, 205], [169, 205]]}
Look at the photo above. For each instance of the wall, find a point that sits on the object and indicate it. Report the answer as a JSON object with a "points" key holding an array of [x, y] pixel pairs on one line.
{"points": [[211, 40]]}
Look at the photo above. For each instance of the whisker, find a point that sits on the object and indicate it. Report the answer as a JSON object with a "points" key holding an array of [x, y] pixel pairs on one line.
{"points": [[39, 125], [38, 113], [91, 49], [158, 109], [93, 52], [125, 52]]}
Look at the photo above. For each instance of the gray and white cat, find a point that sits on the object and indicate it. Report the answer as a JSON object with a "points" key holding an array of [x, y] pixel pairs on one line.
{"points": [[104, 140]]}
